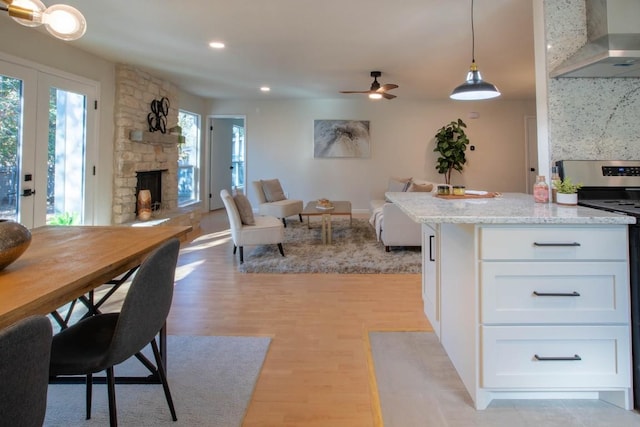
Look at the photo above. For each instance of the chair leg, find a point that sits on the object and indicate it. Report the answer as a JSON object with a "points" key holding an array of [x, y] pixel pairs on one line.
{"points": [[111, 392], [234, 249], [280, 248], [300, 216], [241, 255], [284, 221], [89, 393], [163, 378]]}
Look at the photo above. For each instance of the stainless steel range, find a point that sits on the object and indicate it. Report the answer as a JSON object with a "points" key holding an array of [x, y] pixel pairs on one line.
{"points": [[614, 185]]}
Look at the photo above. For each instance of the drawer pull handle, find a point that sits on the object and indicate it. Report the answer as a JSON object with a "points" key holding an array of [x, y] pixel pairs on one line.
{"points": [[561, 359], [431, 258], [556, 244], [556, 294]]}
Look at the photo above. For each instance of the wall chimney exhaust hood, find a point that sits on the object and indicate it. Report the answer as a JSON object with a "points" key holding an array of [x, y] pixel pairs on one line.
{"points": [[613, 42]]}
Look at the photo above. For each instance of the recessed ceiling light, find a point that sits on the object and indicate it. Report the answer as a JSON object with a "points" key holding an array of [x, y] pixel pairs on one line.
{"points": [[265, 88], [216, 45]]}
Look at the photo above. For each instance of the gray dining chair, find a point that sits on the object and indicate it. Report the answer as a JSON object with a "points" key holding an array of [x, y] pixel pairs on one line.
{"points": [[24, 371], [99, 342]]}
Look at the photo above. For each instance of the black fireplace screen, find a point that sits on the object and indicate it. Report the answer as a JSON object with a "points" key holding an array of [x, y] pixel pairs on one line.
{"points": [[152, 181]]}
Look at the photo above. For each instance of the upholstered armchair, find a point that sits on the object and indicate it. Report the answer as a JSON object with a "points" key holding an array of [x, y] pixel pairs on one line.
{"points": [[272, 200], [247, 229]]}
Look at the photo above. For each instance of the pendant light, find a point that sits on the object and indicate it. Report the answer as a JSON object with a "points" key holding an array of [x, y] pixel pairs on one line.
{"points": [[62, 21], [474, 88]]}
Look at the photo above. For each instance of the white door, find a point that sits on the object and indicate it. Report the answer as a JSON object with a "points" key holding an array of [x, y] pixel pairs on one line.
{"points": [[47, 147], [531, 142], [227, 157]]}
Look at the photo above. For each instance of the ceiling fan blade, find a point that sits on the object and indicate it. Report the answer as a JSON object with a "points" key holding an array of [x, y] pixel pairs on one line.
{"points": [[387, 87], [355, 91], [388, 95]]}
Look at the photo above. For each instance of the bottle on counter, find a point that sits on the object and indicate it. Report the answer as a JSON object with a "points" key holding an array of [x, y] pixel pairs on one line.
{"points": [[541, 190], [555, 182]]}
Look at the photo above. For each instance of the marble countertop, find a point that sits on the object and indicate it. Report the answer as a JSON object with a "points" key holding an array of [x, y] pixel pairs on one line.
{"points": [[510, 208]]}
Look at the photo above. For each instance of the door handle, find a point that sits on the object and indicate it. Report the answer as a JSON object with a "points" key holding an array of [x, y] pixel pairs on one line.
{"points": [[230, 167], [28, 192]]}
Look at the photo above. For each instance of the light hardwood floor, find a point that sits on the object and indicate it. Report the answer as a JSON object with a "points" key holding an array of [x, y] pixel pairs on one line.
{"points": [[317, 370]]}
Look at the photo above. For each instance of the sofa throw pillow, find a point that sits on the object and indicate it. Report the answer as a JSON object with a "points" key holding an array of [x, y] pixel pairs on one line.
{"points": [[396, 185], [244, 209], [420, 188], [272, 190]]}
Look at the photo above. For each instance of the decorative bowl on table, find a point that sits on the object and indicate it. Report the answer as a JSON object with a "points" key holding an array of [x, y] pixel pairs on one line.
{"points": [[324, 204], [14, 240]]}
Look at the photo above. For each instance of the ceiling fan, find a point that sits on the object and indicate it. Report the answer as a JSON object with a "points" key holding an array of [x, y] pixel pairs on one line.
{"points": [[377, 91]]}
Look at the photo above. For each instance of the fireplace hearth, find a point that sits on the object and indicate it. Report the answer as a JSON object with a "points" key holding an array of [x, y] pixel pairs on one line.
{"points": [[152, 181]]}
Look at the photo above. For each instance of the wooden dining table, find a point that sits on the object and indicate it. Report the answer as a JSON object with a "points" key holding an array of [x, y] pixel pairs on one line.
{"points": [[63, 263]]}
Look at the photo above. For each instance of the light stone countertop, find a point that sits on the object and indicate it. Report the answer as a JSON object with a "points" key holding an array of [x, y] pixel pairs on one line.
{"points": [[510, 208]]}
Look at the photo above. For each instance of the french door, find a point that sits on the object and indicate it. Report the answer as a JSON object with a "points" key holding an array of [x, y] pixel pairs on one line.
{"points": [[46, 147]]}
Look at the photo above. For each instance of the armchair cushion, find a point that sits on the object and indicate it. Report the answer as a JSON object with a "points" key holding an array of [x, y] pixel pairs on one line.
{"points": [[244, 209], [272, 189]]}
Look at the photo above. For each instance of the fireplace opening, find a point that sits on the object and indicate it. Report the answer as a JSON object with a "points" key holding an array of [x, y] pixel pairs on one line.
{"points": [[152, 181]]}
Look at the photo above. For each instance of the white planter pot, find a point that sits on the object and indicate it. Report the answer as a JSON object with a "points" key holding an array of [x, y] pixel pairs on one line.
{"points": [[567, 199]]}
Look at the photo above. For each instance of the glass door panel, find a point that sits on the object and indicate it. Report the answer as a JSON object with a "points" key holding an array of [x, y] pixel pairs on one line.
{"points": [[10, 137], [17, 90], [66, 157]]}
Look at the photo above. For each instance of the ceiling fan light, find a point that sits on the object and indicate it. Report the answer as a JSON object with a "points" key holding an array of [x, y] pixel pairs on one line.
{"points": [[375, 96], [64, 22]]}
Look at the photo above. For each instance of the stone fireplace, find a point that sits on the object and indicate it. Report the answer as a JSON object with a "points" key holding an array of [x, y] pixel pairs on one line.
{"points": [[137, 149]]}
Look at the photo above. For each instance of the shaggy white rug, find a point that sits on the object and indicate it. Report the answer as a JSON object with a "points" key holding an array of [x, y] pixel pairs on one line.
{"points": [[354, 249]]}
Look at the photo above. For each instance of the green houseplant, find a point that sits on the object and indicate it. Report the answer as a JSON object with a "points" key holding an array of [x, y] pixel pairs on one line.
{"points": [[566, 186], [567, 192], [451, 144]]}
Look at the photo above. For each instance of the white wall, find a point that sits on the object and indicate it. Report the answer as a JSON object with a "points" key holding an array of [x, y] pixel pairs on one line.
{"points": [[280, 144]]}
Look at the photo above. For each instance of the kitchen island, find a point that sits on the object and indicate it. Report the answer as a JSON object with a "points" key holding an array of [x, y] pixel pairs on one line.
{"points": [[529, 300]]}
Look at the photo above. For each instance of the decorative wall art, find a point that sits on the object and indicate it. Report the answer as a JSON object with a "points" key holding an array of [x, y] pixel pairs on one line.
{"points": [[341, 138]]}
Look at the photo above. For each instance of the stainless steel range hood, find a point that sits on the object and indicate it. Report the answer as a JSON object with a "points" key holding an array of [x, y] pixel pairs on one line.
{"points": [[613, 45]]}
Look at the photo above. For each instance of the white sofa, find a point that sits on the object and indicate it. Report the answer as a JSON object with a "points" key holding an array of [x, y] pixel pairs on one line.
{"points": [[393, 227]]}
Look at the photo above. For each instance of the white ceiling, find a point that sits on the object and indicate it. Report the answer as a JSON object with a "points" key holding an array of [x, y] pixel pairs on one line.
{"points": [[315, 48]]}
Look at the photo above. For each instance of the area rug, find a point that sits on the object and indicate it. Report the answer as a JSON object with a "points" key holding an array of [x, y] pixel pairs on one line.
{"points": [[211, 379], [354, 249], [418, 386]]}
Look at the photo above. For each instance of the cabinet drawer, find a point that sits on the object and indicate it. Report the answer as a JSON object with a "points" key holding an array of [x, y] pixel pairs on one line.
{"points": [[554, 292], [553, 243], [555, 356]]}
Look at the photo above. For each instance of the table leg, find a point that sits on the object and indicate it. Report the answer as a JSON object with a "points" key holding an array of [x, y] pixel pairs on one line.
{"points": [[329, 232], [324, 229]]}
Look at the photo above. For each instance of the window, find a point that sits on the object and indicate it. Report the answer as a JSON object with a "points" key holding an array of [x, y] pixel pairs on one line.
{"points": [[237, 157], [189, 159]]}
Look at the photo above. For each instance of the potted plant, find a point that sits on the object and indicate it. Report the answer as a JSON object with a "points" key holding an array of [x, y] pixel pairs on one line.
{"points": [[567, 192], [451, 144]]}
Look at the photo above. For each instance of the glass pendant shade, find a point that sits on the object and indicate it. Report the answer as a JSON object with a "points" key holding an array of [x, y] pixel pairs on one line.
{"points": [[26, 7], [474, 88], [62, 21]]}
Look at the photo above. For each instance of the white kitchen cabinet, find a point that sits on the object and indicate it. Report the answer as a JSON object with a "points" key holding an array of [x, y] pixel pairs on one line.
{"points": [[533, 311], [431, 275]]}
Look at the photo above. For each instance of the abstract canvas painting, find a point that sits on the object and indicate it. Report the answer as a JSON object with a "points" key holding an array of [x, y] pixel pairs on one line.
{"points": [[341, 138]]}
